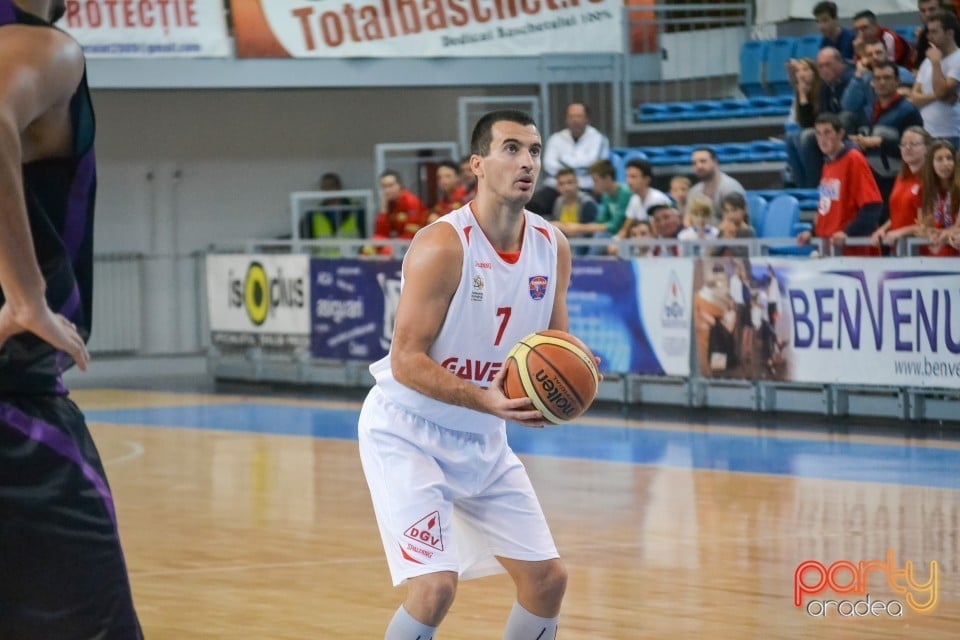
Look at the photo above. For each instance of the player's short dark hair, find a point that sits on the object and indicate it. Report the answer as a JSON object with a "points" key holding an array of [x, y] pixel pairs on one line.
{"points": [[642, 165], [449, 164], [866, 13], [887, 64], [827, 7], [657, 207], [565, 171], [483, 131]]}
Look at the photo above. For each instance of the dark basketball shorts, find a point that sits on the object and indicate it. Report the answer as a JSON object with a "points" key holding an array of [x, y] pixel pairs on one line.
{"points": [[62, 571]]}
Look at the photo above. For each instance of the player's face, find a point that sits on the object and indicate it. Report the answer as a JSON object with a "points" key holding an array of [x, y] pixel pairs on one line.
{"points": [[510, 169], [875, 53], [825, 24], [913, 148]]}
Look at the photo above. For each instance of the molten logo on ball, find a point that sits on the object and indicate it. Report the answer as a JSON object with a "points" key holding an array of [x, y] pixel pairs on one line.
{"points": [[556, 371]]}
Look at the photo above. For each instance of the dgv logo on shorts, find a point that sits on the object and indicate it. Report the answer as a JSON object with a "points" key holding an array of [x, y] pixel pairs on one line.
{"points": [[427, 531]]}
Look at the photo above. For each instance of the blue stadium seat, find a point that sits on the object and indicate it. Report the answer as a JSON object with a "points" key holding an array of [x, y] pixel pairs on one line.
{"points": [[771, 105], [906, 31], [732, 152], [767, 151], [756, 209], [753, 58], [776, 79], [783, 221], [808, 46]]}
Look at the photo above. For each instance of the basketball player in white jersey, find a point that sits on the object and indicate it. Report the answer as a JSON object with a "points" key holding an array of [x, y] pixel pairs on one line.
{"points": [[451, 498]]}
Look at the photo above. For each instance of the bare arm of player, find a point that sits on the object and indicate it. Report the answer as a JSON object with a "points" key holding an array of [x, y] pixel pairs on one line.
{"points": [[39, 71], [431, 272], [558, 317]]}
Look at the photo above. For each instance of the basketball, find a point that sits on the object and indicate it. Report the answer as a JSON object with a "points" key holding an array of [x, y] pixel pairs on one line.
{"points": [[556, 371]]}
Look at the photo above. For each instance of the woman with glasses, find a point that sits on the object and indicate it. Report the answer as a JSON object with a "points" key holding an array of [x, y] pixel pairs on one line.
{"points": [[905, 201]]}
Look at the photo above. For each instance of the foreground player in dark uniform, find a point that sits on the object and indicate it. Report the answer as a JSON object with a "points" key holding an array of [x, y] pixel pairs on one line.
{"points": [[62, 572]]}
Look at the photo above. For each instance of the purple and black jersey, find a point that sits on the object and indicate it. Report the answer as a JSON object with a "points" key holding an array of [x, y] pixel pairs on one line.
{"points": [[60, 195]]}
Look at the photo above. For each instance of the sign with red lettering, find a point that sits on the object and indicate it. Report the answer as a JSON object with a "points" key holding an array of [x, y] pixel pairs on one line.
{"points": [[425, 28], [148, 28]]}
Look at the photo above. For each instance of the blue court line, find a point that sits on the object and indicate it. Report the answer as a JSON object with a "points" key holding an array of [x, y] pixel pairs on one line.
{"points": [[748, 453]]}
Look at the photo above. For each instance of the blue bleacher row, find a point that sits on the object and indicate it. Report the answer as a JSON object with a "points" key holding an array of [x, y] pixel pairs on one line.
{"points": [[763, 80], [727, 153]]}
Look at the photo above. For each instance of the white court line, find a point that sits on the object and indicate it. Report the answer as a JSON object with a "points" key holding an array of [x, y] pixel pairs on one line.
{"points": [[136, 450]]}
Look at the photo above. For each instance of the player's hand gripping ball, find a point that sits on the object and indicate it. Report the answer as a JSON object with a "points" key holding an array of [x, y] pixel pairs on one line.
{"points": [[556, 370]]}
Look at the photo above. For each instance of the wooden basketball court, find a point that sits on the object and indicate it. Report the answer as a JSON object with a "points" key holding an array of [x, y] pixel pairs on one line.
{"points": [[247, 517]]}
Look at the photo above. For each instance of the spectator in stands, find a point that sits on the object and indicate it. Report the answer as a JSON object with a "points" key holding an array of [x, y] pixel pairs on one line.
{"points": [[802, 151], [928, 9], [679, 188], [941, 199], [850, 203], [641, 230], [735, 225], [890, 115], [468, 179], [573, 207], [701, 217], [577, 147], [402, 213], [614, 199], [806, 106], [639, 176], [452, 195], [835, 36], [667, 225], [906, 199], [935, 91], [866, 28], [859, 93], [714, 184]]}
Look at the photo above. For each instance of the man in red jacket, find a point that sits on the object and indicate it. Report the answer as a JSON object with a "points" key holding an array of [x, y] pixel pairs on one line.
{"points": [[850, 202]]}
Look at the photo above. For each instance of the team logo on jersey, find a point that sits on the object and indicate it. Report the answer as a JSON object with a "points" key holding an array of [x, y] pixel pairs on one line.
{"points": [[477, 293], [538, 287], [426, 531]]}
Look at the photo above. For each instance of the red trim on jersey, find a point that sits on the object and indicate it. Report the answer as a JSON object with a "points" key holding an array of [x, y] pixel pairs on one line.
{"points": [[546, 234], [407, 556], [466, 233], [510, 257]]}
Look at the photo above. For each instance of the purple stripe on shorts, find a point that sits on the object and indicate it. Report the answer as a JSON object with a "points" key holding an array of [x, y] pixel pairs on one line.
{"points": [[78, 206], [61, 443], [71, 304], [7, 16]]}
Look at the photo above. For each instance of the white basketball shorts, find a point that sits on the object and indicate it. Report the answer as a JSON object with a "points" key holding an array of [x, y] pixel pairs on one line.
{"points": [[447, 500]]}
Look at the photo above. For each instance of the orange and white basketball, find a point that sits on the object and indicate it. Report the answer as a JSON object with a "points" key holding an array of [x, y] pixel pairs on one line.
{"points": [[556, 370]]}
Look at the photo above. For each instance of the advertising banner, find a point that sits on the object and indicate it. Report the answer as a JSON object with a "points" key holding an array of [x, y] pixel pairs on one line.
{"points": [[425, 28], [635, 315], [353, 304], [877, 321], [148, 28], [259, 301]]}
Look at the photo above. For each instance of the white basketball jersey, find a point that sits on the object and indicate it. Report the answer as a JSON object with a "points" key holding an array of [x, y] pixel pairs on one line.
{"points": [[496, 304]]}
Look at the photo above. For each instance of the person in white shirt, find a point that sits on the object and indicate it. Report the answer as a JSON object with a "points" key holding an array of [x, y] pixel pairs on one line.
{"points": [[700, 215], [935, 91], [639, 176], [576, 147]]}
